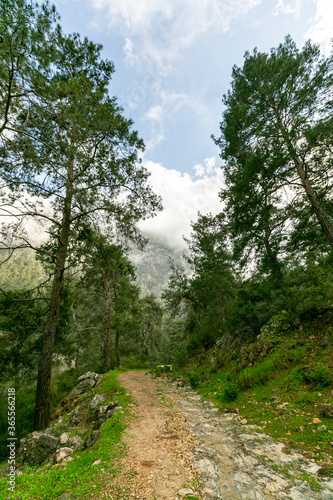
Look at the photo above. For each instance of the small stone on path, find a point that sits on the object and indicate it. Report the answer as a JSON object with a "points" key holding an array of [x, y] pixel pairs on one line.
{"points": [[183, 492]]}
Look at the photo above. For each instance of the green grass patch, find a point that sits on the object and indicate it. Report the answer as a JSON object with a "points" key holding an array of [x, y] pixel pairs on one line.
{"points": [[79, 477]]}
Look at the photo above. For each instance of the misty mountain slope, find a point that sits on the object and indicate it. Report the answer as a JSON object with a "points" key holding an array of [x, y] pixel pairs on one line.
{"points": [[153, 265]]}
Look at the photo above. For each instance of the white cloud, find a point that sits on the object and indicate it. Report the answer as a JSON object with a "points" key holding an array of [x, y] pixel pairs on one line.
{"points": [[288, 7], [206, 169], [166, 28], [182, 198], [170, 104], [128, 49], [321, 29]]}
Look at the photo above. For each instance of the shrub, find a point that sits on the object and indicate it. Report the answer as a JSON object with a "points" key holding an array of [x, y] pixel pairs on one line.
{"points": [[321, 376], [230, 391], [194, 378], [295, 377]]}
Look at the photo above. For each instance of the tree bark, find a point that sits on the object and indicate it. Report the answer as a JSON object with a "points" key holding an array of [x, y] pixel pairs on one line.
{"points": [[42, 409], [312, 196], [274, 263], [116, 347], [107, 300]]}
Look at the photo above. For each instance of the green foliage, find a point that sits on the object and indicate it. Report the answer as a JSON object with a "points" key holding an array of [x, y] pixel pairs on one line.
{"points": [[61, 384], [321, 376], [275, 130], [230, 391], [21, 272], [296, 377], [25, 407], [194, 378]]}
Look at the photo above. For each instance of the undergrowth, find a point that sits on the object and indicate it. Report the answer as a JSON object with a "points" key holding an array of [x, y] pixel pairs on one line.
{"points": [[79, 477]]}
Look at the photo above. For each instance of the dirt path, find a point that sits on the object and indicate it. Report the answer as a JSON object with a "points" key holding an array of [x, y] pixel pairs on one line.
{"points": [[159, 447], [178, 441]]}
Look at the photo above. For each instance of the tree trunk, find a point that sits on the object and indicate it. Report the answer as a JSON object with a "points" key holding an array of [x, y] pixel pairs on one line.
{"points": [[272, 259], [311, 193], [77, 355], [117, 337], [42, 409], [107, 300], [318, 209], [116, 347]]}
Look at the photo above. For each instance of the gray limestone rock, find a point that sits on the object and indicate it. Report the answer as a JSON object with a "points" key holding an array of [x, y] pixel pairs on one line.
{"points": [[36, 448], [92, 439], [75, 442], [96, 401]]}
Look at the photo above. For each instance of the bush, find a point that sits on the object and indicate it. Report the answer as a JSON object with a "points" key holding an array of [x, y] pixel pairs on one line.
{"points": [[305, 398], [25, 408], [321, 376], [230, 391], [194, 378], [295, 377], [61, 385]]}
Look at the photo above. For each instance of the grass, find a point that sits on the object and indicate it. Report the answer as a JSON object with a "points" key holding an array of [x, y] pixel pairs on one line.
{"points": [[79, 477]]}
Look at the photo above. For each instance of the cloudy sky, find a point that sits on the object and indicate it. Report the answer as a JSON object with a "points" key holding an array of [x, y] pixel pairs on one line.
{"points": [[173, 61]]}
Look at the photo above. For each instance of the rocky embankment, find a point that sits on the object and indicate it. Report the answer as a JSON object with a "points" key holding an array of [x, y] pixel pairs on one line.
{"points": [[79, 419]]}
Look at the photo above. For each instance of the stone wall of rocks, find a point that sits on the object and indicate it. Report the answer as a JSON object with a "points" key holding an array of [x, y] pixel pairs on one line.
{"points": [[86, 415]]}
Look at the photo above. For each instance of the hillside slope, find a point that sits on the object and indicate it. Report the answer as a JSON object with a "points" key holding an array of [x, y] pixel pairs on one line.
{"points": [[281, 381]]}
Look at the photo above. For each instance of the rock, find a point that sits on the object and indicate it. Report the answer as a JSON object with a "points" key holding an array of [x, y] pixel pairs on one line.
{"points": [[104, 413], [63, 438], [316, 421], [243, 422], [66, 460], [92, 376], [97, 462], [36, 448], [85, 383], [92, 439], [97, 400], [63, 453], [322, 428], [75, 442], [232, 409], [78, 415], [50, 430], [326, 410], [183, 492]]}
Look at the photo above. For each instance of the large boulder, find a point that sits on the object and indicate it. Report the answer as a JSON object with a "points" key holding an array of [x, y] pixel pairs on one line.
{"points": [[36, 448], [85, 383]]}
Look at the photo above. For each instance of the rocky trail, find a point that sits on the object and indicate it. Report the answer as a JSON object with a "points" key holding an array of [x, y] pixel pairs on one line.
{"points": [[180, 446]]}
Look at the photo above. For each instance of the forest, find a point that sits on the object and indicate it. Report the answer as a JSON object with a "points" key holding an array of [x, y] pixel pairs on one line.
{"points": [[71, 165]]}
